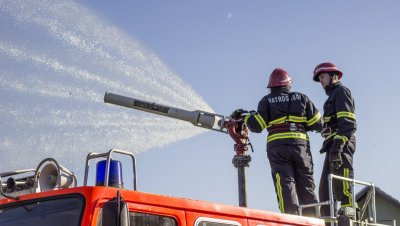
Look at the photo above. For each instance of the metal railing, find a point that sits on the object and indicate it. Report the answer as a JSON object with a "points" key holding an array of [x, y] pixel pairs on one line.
{"points": [[331, 202]]}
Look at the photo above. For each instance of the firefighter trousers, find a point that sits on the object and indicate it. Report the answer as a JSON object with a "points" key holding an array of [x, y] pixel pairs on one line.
{"points": [[292, 173], [342, 190]]}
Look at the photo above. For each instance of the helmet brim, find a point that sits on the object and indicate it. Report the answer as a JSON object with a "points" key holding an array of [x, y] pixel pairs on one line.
{"points": [[316, 76]]}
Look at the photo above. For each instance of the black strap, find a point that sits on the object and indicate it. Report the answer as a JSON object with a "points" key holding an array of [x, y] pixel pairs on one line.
{"points": [[289, 105], [286, 127]]}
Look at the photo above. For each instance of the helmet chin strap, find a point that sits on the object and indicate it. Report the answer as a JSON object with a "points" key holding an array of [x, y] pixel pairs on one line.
{"points": [[330, 85], [331, 80]]}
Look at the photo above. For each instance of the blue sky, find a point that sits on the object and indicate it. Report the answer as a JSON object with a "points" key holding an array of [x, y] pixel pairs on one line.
{"points": [[225, 50]]}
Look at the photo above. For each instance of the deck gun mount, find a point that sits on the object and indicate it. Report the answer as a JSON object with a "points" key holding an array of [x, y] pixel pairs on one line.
{"points": [[237, 130]]}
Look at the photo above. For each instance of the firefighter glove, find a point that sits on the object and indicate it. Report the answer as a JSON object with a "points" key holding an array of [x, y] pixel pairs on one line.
{"points": [[338, 145], [252, 112], [326, 132], [325, 146], [238, 114]]}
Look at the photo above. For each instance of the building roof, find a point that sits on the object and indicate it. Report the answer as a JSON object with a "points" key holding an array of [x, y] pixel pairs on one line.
{"points": [[361, 194]]}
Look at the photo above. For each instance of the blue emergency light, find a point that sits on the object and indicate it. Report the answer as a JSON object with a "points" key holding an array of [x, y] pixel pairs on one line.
{"points": [[114, 175]]}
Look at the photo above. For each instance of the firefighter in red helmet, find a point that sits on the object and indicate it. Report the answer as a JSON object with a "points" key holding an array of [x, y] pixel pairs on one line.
{"points": [[339, 133], [287, 116]]}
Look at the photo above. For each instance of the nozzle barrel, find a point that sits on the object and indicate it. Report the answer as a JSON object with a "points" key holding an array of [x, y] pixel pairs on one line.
{"points": [[198, 118]]}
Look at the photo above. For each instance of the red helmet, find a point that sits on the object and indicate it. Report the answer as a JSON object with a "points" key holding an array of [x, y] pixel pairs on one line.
{"points": [[279, 77], [326, 67]]}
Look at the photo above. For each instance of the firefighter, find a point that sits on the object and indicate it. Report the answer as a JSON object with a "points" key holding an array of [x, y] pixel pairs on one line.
{"points": [[287, 116], [339, 133]]}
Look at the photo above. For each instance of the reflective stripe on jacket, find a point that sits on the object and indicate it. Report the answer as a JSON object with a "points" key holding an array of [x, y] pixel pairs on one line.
{"points": [[273, 110], [339, 113]]}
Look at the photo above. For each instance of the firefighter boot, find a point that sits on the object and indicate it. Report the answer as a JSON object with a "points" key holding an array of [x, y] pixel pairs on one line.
{"points": [[343, 220]]}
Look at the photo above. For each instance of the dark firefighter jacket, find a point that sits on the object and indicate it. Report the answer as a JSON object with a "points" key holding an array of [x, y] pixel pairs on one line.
{"points": [[286, 115], [339, 113]]}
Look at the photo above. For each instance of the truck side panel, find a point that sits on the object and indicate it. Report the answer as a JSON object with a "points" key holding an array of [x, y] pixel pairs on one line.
{"points": [[198, 218]]}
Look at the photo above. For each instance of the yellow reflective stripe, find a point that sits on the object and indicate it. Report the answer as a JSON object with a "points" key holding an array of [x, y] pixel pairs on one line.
{"points": [[277, 121], [279, 193], [330, 136], [327, 118], [292, 118], [328, 220], [299, 119], [246, 118], [344, 138], [260, 120], [346, 114], [348, 205], [346, 190], [314, 119], [287, 135]]}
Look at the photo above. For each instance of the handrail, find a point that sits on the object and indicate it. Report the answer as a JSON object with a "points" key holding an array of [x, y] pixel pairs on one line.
{"points": [[331, 201], [107, 155], [353, 181]]}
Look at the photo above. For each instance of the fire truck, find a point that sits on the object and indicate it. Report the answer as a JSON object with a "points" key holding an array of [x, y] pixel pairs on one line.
{"points": [[49, 195]]}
